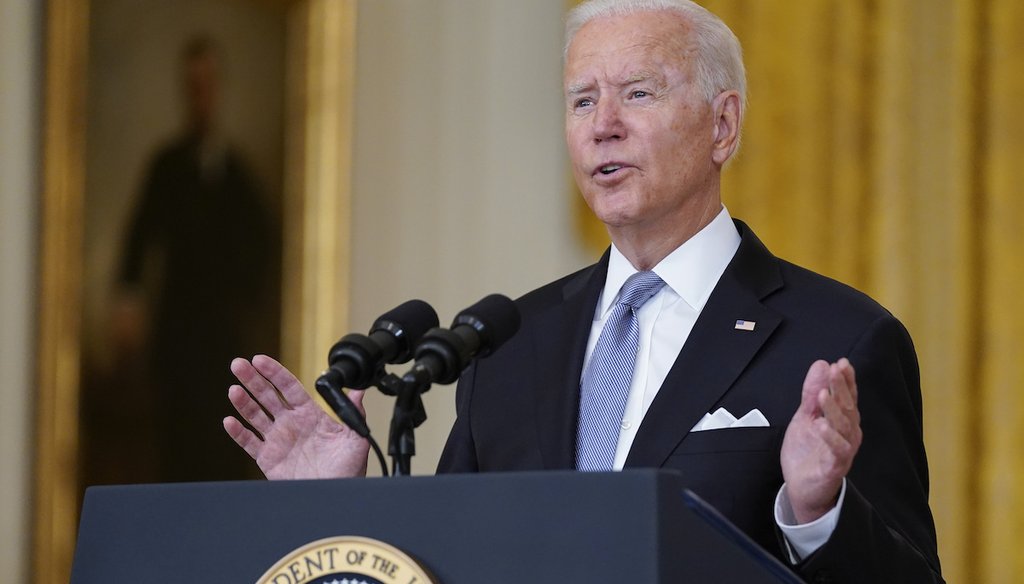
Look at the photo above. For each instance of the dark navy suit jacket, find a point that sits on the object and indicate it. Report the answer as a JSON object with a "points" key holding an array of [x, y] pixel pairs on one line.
{"points": [[517, 409]]}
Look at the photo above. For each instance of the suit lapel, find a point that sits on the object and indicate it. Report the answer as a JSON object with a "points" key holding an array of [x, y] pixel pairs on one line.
{"points": [[715, 353], [561, 342]]}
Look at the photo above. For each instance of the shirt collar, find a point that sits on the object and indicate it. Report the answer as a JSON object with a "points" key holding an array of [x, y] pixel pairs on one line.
{"points": [[691, 270]]}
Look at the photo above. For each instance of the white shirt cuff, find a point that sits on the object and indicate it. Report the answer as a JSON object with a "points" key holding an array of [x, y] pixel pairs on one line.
{"points": [[802, 540]]}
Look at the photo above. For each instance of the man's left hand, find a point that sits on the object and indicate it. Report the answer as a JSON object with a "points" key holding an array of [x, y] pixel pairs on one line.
{"points": [[821, 440]]}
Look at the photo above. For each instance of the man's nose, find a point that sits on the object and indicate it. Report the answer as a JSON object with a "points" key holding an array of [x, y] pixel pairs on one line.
{"points": [[608, 123]]}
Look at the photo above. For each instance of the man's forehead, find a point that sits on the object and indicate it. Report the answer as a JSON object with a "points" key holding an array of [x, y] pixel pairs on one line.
{"points": [[640, 62], [657, 26], [628, 47]]}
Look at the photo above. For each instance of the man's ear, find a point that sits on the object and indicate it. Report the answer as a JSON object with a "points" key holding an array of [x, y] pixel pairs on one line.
{"points": [[728, 117]]}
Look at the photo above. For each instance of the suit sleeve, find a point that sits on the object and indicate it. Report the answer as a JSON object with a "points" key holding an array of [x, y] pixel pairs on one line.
{"points": [[885, 531]]}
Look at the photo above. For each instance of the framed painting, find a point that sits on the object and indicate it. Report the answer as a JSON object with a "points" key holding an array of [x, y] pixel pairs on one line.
{"points": [[195, 208]]}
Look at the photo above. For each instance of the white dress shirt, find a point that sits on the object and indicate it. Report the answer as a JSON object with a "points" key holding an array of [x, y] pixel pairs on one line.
{"points": [[690, 274]]}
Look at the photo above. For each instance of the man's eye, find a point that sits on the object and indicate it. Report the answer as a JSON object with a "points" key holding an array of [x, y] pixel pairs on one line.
{"points": [[583, 102], [638, 93]]}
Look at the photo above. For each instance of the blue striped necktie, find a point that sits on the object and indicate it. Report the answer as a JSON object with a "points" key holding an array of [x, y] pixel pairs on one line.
{"points": [[605, 384]]}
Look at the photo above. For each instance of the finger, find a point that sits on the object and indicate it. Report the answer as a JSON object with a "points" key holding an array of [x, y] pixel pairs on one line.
{"points": [[243, 436], [840, 451], [845, 422], [250, 411], [286, 383], [836, 417], [838, 387], [262, 390], [843, 377], [833, 459], [851, 376], [356, 397], [816, 379]]}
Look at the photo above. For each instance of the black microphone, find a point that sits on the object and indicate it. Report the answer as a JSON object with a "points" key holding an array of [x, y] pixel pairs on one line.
{"points": [[357, 361], [442, 354], [360, 359]]}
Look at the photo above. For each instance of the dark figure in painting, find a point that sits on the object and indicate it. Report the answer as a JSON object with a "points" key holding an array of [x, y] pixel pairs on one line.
{"points": [[199, 278]]}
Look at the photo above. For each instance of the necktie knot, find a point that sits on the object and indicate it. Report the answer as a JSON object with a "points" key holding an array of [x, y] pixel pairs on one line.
{"points": [[639, 288]]}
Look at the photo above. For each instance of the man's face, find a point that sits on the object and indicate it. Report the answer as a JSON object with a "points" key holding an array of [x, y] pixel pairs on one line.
{"points": [[202, 91], [640, 135]]}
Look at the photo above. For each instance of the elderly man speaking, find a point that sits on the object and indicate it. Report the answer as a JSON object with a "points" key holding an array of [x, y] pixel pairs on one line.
{"points": [[789, 401]]}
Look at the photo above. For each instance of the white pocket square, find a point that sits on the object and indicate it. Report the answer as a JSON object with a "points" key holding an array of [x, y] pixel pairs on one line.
{"points": [[721, 418]]}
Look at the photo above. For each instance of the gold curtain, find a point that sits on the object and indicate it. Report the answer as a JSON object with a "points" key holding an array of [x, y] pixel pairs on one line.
{"points": [[882, 147], [860, 161]]}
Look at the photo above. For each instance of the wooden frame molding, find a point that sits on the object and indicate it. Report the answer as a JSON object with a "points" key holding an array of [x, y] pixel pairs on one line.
{"points": [[318, 172], [55, 473]]}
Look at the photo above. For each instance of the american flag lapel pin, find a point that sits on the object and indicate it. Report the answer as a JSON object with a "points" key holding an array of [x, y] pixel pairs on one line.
{"points": [[745, 325]]}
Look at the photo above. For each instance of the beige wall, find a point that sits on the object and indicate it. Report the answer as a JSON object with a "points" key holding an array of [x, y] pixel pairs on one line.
{"points": [[461, 183], [19, 62]]}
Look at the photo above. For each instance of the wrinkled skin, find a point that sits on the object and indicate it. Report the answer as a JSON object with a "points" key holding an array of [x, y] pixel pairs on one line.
{"points": [[297, 440]]}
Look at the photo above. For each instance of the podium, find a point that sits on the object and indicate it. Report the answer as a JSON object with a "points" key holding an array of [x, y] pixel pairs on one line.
{"points": [[639, 526]]}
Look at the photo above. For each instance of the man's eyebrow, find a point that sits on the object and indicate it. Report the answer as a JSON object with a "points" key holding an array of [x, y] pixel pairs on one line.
{"points": [[635, 77], [576, 88]]}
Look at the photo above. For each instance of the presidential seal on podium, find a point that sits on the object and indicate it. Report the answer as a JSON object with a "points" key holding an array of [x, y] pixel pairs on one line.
{"points": [[347, 560]]}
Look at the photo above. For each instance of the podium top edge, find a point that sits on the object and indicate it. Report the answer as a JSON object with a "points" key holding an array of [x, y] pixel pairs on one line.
{"points": [[631, 475]]}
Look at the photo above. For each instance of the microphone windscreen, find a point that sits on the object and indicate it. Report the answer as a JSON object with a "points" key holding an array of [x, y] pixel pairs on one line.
{"points": [[407, 322], [495, 318]]}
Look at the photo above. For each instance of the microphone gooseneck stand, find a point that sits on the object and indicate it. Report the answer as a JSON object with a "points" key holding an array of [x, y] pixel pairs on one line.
{"points": [[408, 414]]}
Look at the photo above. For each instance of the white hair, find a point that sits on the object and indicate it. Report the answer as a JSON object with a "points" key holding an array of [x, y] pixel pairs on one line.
{"points": [[719, 63]]}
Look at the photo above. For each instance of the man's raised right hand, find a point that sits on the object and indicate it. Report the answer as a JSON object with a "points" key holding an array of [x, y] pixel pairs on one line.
{"points": [[297, 440]]}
